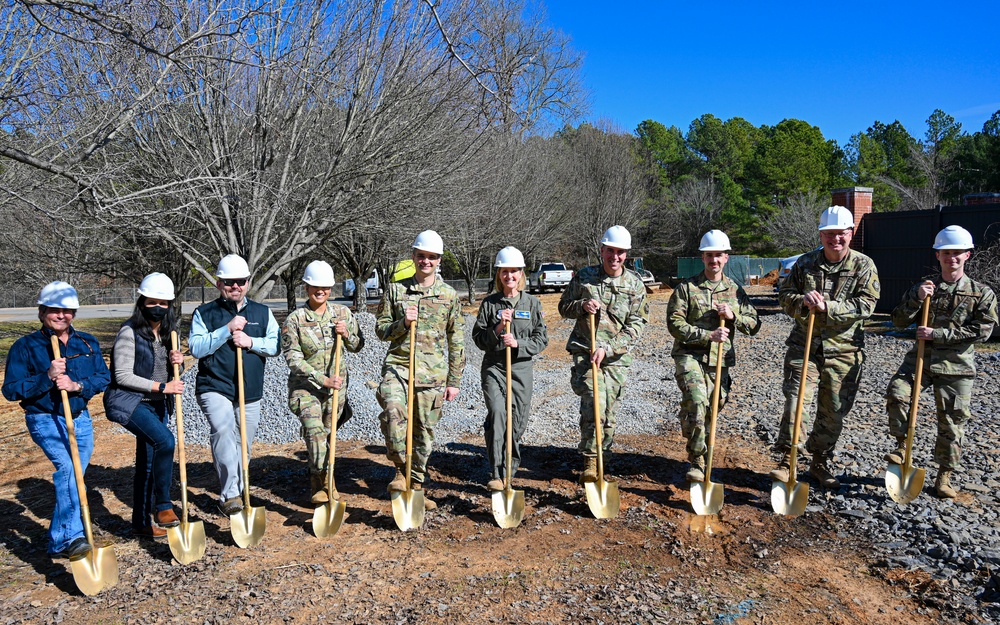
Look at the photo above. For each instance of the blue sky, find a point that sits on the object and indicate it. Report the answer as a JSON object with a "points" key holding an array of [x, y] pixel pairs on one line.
{"points": [[837, 65]]}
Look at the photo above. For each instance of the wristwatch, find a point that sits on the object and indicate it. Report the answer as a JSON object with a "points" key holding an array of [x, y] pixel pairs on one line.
{"points": [[163, 386]]}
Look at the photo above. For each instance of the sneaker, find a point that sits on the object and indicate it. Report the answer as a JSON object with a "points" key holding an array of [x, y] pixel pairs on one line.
{"points": [[152, 531], [231, 506], [76, 550], [495, 485], [429, 504], [167, 518]]}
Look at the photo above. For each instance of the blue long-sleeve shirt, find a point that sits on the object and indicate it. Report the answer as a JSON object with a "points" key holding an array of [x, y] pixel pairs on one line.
{"points": [[203, 343], [26, 378]]}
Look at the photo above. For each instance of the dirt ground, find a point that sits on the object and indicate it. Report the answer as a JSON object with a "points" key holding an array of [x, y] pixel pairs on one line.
{"points": [[655, 562]]}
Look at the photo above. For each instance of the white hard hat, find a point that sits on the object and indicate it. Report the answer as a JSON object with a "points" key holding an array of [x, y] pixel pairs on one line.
{"points": [[617, 236], [232, 266], [318, 273], [58, 294], [157, 286], [509, 256], [836, 218], [429, 241], [714, 241], [953, 238]]}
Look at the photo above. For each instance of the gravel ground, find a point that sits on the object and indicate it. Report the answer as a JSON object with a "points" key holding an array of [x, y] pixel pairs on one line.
{"points": [[957, 542]]}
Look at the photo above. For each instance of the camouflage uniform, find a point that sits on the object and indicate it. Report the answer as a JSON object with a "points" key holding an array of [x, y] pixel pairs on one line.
{"points": [[691, 318], [961, 313], [528, 327], [851, 289], [439, 323], [308, 340], [624, 312]]}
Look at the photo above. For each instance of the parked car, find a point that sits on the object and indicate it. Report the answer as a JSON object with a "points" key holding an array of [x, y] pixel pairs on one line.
{"points": [[549, 276], [372, 287], [785, 269]]}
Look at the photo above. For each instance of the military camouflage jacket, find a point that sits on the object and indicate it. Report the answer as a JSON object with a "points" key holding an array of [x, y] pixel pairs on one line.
{"points": [[440, 327], [308, 340], [850, 288], [624, 313], [962, 313], [691, 318]]}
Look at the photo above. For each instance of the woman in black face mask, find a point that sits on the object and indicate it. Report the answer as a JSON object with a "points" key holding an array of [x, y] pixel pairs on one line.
{"points": [[140, 399]]}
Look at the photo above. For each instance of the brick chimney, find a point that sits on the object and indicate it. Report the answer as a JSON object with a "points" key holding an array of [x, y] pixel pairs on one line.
{"points": [[858, 200]]}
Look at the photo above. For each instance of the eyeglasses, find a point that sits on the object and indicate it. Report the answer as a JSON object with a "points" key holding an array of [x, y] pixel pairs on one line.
{"points": [[234, 281]]}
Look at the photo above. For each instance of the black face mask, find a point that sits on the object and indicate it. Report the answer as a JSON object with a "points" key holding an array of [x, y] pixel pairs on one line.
{"points": [[155, 313]]}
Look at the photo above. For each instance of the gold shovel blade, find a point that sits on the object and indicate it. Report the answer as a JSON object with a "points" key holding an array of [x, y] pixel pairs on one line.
{"points": [[187, 541], [95, 571], [408, 509], [247, 526], [904, 485], [603, 499], [789, 502], [508, 507], [707, 497], [328, 518]]}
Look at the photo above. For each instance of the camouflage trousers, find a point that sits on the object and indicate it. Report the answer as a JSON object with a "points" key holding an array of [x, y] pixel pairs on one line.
{"points": [[952, 398], [314, 408], [427, 411], [696, 381], [833, 382], [610, 384]]}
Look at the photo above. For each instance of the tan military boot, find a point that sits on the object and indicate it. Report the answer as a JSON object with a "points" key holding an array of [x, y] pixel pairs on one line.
{"points": [[819, 470], [943, 485], [780, 472], [429, 504], [589, 469], [897, 455], [398, 483], [697, 471], [317, 483]]}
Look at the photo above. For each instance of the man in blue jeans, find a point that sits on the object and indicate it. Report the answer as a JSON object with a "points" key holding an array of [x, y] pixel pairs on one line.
{"points": [[218, 329], [35, 378]]}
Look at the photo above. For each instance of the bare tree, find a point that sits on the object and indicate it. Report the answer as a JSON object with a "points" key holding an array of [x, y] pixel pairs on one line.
{"points": [[793, 227]]}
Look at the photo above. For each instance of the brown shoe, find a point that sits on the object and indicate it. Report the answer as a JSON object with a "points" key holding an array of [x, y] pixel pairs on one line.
{"points": [[152, 531], [495, 485], [781, 472], [819, 470], [429, 504], [943, 487], [398, 483], [166, 518], [589, 469], [317, 483]]}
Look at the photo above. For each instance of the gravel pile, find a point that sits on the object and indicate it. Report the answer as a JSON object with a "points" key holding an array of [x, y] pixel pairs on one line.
{"points": [[958, 543]]}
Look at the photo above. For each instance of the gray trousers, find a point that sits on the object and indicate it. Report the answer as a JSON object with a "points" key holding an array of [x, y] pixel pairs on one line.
{"points": [[494, 379], [223, 417]]}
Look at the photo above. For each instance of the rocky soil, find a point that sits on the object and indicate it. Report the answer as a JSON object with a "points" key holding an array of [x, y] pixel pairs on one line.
{"points": [[854, 557]]}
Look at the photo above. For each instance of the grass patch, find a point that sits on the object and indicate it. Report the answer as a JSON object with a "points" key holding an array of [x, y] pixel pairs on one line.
{"points": [[104, 329]]}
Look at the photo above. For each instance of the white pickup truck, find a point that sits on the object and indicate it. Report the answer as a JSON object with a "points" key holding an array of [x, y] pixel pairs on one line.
{"points": [[553, 276]]}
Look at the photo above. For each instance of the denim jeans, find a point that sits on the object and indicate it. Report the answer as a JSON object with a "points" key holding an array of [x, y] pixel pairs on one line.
{"points": [[154, 461], [224, 422], [49, 433]]}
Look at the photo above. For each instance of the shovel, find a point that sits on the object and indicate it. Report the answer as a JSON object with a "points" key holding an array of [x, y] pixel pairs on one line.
{"points": [[328, 517], [905, 482], [99, 568], [408, 506], [187, 540], [790, 498], [706, 497], [247, 525], [508, 504], [602, 497]]}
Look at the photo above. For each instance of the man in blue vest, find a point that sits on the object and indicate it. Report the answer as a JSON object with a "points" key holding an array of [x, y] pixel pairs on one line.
{"points": [[218, 329]]}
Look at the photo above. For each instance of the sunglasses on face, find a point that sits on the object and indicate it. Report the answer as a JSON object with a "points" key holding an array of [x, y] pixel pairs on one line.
{"points": [[234, 281]]}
